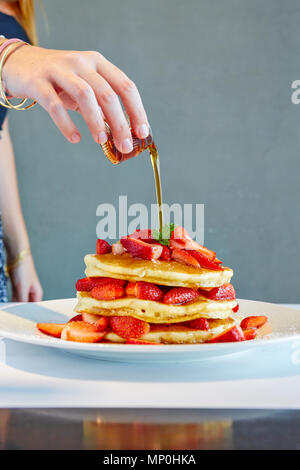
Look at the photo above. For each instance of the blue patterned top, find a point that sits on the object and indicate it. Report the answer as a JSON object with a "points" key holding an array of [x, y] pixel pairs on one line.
{"points": [[3, 291]]}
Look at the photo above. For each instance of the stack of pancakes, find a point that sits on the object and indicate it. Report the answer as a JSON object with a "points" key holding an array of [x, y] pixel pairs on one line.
{"points": [[168, 323]]}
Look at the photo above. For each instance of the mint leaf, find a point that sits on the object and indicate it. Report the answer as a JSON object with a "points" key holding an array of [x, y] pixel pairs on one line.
{"points": [[164, 236]]}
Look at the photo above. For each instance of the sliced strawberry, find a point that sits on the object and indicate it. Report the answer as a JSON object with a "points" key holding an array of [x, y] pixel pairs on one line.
{"points": [[208, 253], [179, 233], [145, 290], [118, 249], [139, 341], [108, 291], [140, 249], [149, 291], [183, 244], [236, 308], [144, 235], [129, 327], [180, 295], [100, 322], [250, 333], [102, 247], [181, 239], [199, 324], [263, 330], [184, 257], [176, 244], [52, 329], [82, 332], [233, 334], [166, 254], [224, 292], [88, 283], [76, 318], [131, 289], [253, 322], [204, 261]]}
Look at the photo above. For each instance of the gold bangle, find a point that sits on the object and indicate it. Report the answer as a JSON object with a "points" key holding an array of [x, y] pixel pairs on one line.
{"points": [[18, 260], [6, 103]]}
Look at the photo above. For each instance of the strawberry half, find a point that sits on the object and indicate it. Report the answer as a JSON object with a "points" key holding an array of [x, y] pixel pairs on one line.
{"points": [[233, 334], [129, 327], [165, 254], [253, 322], [100, 322], [199, 324], [108, 291], [86, 284], [236, 308], [82, 332], [102, 247], [225, 292], [145, 290], [140, 249], [149, 291], [204, 261], [51, 329], [250, 333], [140, 341], [184, 257], [180, 295]]}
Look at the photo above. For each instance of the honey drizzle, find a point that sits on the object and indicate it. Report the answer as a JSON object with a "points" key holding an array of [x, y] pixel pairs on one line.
{"points": [[156, 171], [139, 145]]}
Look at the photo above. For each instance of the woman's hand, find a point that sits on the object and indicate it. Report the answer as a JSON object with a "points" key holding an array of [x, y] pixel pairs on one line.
{"points": [[83, 81], [25, 283]]}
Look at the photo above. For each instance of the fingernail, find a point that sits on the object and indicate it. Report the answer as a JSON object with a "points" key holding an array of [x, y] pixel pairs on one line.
{"points": [[102, 138], [75, 137], [143, 131], [127, 146]]}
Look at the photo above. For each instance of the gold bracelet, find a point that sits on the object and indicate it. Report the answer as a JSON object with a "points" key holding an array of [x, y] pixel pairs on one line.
{"points": [[6, 103], [17, 261]]}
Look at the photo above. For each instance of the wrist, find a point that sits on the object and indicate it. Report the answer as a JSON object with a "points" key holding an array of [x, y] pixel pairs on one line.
{"points": [[14, 246], [18, 260], [5, 69]]}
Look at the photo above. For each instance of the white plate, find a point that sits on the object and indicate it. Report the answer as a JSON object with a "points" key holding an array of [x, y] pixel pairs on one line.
{"points": [[18, 322]]}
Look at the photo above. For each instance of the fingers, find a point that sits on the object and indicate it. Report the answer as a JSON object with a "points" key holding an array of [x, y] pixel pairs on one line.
{"points": [[35, 293], [129, 95], [67, 101], [112, 110], [49, 99], [82, 94], [20, 292]]}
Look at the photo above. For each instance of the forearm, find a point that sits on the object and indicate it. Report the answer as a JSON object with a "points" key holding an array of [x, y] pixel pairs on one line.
{"points": [[15, 234]]}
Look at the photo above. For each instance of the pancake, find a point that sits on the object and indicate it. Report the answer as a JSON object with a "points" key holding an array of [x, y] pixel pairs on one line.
{"points": [[155, 312], [178, 334], [169, 273]]}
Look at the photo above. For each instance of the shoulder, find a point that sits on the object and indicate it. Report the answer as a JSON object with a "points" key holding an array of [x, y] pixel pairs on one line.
{"points": [[11, 28]]}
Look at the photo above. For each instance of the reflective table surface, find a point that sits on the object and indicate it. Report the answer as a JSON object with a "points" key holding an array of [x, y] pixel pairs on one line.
{"points": [[148, 429]]}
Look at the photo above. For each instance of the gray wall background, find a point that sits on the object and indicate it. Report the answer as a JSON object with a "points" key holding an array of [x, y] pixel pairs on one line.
{"points": [[215, 77]]}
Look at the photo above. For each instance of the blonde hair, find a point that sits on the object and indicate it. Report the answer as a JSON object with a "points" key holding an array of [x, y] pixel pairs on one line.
{"points": [[25, 14]]}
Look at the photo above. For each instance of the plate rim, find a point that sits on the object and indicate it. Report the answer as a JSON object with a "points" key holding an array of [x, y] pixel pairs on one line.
{"points": [[130, 348]]}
